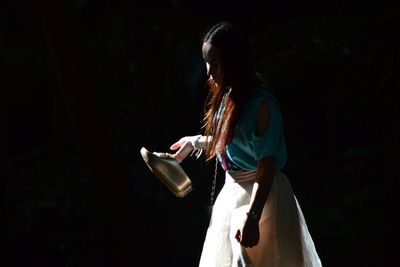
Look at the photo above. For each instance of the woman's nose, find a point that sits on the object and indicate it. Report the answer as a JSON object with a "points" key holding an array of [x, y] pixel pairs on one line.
{"points": [[210, 70]]}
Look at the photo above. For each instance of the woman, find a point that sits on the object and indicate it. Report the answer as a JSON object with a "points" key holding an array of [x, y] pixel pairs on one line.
{"points": [[256, 220]]}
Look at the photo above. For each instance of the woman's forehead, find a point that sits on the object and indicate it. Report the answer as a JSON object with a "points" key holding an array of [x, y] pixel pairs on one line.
{"points": [[210, 52]]}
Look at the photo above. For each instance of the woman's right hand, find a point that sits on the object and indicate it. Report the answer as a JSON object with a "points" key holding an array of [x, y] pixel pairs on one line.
{"points": [[184, 146]]}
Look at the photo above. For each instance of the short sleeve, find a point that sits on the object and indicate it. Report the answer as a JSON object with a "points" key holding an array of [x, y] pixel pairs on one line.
{"points": [[247, 147], [270, 143]]}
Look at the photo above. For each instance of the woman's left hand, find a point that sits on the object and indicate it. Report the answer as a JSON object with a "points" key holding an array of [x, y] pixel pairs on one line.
{"points": [[250, 235]]}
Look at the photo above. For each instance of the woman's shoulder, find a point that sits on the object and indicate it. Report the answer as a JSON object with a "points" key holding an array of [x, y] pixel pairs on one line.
{"points": [[260, 94]]}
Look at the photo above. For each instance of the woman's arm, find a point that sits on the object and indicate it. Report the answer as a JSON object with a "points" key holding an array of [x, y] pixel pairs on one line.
{"points": [[260, 193], [265, 167], [262, 186]]}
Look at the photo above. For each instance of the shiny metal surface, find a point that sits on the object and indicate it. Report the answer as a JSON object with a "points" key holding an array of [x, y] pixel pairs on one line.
{"points": [[168, 171]]}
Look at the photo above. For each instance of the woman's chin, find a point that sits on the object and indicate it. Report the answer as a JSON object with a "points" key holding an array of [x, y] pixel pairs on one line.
{"points": [[212, 81]]}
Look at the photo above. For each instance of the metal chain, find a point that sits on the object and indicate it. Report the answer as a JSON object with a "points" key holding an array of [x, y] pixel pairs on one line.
{"points": [[220, 110], [214, 183]]}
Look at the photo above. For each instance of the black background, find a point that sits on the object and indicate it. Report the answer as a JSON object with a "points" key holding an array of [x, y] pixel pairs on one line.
{"points": [[86, 84]]}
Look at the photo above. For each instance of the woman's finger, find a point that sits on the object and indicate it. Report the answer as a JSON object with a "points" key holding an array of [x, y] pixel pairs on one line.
{"points": [[182, 153], [178, 156], [176, 145]]}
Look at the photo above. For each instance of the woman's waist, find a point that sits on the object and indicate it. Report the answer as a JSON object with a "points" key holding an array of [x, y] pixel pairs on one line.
{"points": [[241, 176], [244, 176]]}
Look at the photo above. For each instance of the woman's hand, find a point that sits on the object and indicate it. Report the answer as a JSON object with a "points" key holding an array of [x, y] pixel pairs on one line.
{"points": [[251, 233], [185, 147]]}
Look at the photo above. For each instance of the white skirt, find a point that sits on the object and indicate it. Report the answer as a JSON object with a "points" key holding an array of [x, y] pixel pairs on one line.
{"points": [[284, 237]]}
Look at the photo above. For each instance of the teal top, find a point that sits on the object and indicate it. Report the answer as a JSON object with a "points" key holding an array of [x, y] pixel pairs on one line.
{"points": [[246, 147]]}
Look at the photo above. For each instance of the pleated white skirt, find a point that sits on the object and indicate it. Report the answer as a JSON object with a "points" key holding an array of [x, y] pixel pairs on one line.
{"points": [[284, 237]]}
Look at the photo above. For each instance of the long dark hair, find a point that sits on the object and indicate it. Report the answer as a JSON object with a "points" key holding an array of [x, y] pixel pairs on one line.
{"points": [[237, 74]]}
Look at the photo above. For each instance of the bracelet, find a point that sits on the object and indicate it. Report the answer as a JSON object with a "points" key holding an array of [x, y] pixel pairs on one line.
{"points": [[196, 150], [194, 141], [253, 215]]}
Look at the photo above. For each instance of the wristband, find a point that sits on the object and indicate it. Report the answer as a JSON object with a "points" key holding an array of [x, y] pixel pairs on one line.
{"points": [[253, 215]]}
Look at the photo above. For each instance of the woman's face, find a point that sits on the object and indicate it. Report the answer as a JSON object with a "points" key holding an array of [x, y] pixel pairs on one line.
{"points": [[211, 56]]}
